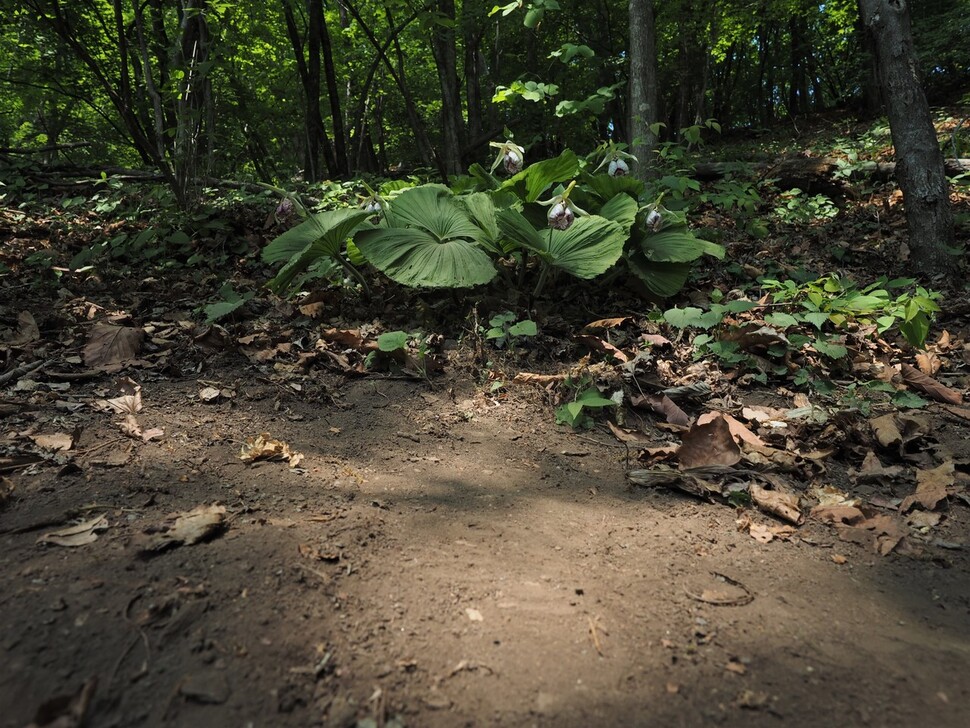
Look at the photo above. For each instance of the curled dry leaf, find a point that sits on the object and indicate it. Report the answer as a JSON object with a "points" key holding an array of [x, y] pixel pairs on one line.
{"points": [[710, 443], [263, 447], [929, 386], [607, 323], [663, 405], [109, 345], [188, 528], [79, 535], [778, 500]]}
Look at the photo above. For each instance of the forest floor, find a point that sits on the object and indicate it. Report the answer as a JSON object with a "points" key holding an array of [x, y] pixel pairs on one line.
{"points": [[433, 549]]}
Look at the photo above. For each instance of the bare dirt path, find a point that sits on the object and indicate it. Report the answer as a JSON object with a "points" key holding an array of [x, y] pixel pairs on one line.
{"points": [[438, 559]]}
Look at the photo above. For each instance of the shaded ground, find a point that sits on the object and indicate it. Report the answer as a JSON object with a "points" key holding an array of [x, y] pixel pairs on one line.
{"points": [[444, 554], [470, 564]]}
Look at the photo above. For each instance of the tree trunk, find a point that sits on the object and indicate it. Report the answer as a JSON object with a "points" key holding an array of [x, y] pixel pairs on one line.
{"points": [[919, 166], [341, 165], [446, 61], [643, 84]]}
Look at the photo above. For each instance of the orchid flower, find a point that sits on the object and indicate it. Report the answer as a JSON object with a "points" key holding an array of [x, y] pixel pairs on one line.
{"points": [[615, 159], [510, 154], [562, 210]]}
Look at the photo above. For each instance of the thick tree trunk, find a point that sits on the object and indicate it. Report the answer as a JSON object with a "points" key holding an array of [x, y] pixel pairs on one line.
{"points": [[919, 159], [643, 84]]}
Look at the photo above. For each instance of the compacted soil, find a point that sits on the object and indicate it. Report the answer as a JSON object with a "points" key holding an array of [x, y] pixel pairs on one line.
{"points": [[440, 558]]}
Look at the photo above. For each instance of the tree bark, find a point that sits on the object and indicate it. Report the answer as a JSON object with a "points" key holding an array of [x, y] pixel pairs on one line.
{"points": [[643, 84], [919, 166], [446, 61]]}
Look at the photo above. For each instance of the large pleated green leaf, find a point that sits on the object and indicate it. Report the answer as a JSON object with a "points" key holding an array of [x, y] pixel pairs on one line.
{"points": [[319, 236], [661, 279], [537, 178], [429, 242], [587, 248], [677, 245], [621, 209], [327, 231]]}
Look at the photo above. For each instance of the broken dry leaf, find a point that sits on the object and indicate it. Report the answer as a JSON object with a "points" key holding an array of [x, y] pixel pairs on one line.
{"points": [[474, 615], [736, 666], [607, 323], [109, 345], [839, 559], [931, 487], [79, 535], [710, 443], [262, 447], [58, 442], [188, 528], [779, 500]]}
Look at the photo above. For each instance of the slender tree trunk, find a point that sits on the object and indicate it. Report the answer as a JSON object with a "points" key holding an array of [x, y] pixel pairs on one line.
{"points": [[871, 100], [446, 61], [919, 161], [341, 165], [643, 84]]}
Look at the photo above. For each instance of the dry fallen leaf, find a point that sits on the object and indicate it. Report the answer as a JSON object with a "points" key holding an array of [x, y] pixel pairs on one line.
{"points": [[262, 447], [188, 528], [58, 442], [931, 487], [79, 535], [929, 386], [736, 666], [839, 559], [27, 330], [778, 500], [709, 444], [108, 345]]}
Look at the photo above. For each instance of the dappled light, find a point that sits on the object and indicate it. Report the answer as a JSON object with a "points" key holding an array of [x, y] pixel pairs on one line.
{"points": [[388, 365]]}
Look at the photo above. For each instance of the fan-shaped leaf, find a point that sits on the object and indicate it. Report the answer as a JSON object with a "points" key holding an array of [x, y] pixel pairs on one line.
{"points": [[326, 230], [536, 178], [429, 242], [677, 245], [661, 279]]}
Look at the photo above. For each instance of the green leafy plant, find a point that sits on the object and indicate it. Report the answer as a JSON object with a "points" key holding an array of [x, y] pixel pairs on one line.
{"points": [[842, 302], [230, 302], [506, 328], [428, 240], [575, 413]]}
